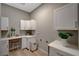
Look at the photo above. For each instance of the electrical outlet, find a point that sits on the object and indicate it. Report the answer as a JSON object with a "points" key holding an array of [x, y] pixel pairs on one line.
{"points": [[41, 40], [46, 41]]}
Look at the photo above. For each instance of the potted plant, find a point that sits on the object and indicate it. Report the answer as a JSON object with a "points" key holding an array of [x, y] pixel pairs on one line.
{"points": [[64, 37], [12, 31]]}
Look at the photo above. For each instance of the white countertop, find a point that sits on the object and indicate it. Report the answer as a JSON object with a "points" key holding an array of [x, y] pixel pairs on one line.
{"points": [[58, 45], [15, 37]]}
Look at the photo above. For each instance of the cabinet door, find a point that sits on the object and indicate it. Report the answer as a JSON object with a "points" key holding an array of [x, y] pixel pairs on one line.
{"points": [[56, 52], [22, 24], [33, 24], [52, 52], [27, 43], [4, 47], [27, 25], [23, 43], [65, 17], [4, 23]]}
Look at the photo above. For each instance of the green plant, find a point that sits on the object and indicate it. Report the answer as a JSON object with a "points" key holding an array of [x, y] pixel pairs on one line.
{"points": [[12, 29], [64, 35]]}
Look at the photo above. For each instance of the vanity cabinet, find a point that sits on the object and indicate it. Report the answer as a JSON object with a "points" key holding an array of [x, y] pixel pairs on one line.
{"points": [[56, 52], [28, 41], [4, 47], [66, 17], [4, 23], [56, 48]]}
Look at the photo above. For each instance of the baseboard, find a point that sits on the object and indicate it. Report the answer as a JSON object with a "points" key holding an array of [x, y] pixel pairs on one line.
{"points": [[43, 51]]}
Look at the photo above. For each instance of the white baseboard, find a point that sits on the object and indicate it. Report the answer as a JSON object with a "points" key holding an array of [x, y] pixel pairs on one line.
{"points": [[43, 51]]}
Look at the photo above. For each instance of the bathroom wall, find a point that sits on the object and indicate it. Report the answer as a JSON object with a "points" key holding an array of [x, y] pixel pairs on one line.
{"points": [[78, 26], [0, 9], [14, 15], [0, 16], [45, 32]]}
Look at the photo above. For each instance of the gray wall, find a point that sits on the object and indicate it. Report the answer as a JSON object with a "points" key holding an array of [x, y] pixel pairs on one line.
{"points": [[0, 16], [45, 27], [78, 26], [44, 17], [0, 9], [15, 15]]}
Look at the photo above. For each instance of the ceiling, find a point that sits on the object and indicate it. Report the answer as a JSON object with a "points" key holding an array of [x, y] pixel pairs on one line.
{"points": [[28, 7]]}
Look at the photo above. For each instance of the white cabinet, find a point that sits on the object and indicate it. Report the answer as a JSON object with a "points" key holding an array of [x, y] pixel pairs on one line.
{"points": [[56, 48], [28, 25], [56, 52], [27, 41], [4, 23], [22, 26], [4, 47], [66, 17], [25, 25], [33, 24], [24, 43]]}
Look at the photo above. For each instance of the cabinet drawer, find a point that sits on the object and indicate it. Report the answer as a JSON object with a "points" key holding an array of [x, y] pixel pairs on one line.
{"points": [[62, 53], [56, 52]]}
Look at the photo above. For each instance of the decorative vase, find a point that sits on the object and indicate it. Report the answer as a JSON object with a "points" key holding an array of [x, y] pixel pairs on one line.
{"points": [[64, 42]]}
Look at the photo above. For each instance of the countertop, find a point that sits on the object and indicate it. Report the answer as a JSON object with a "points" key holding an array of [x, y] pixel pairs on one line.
{"points": [[15, 37], [69, 49]]}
